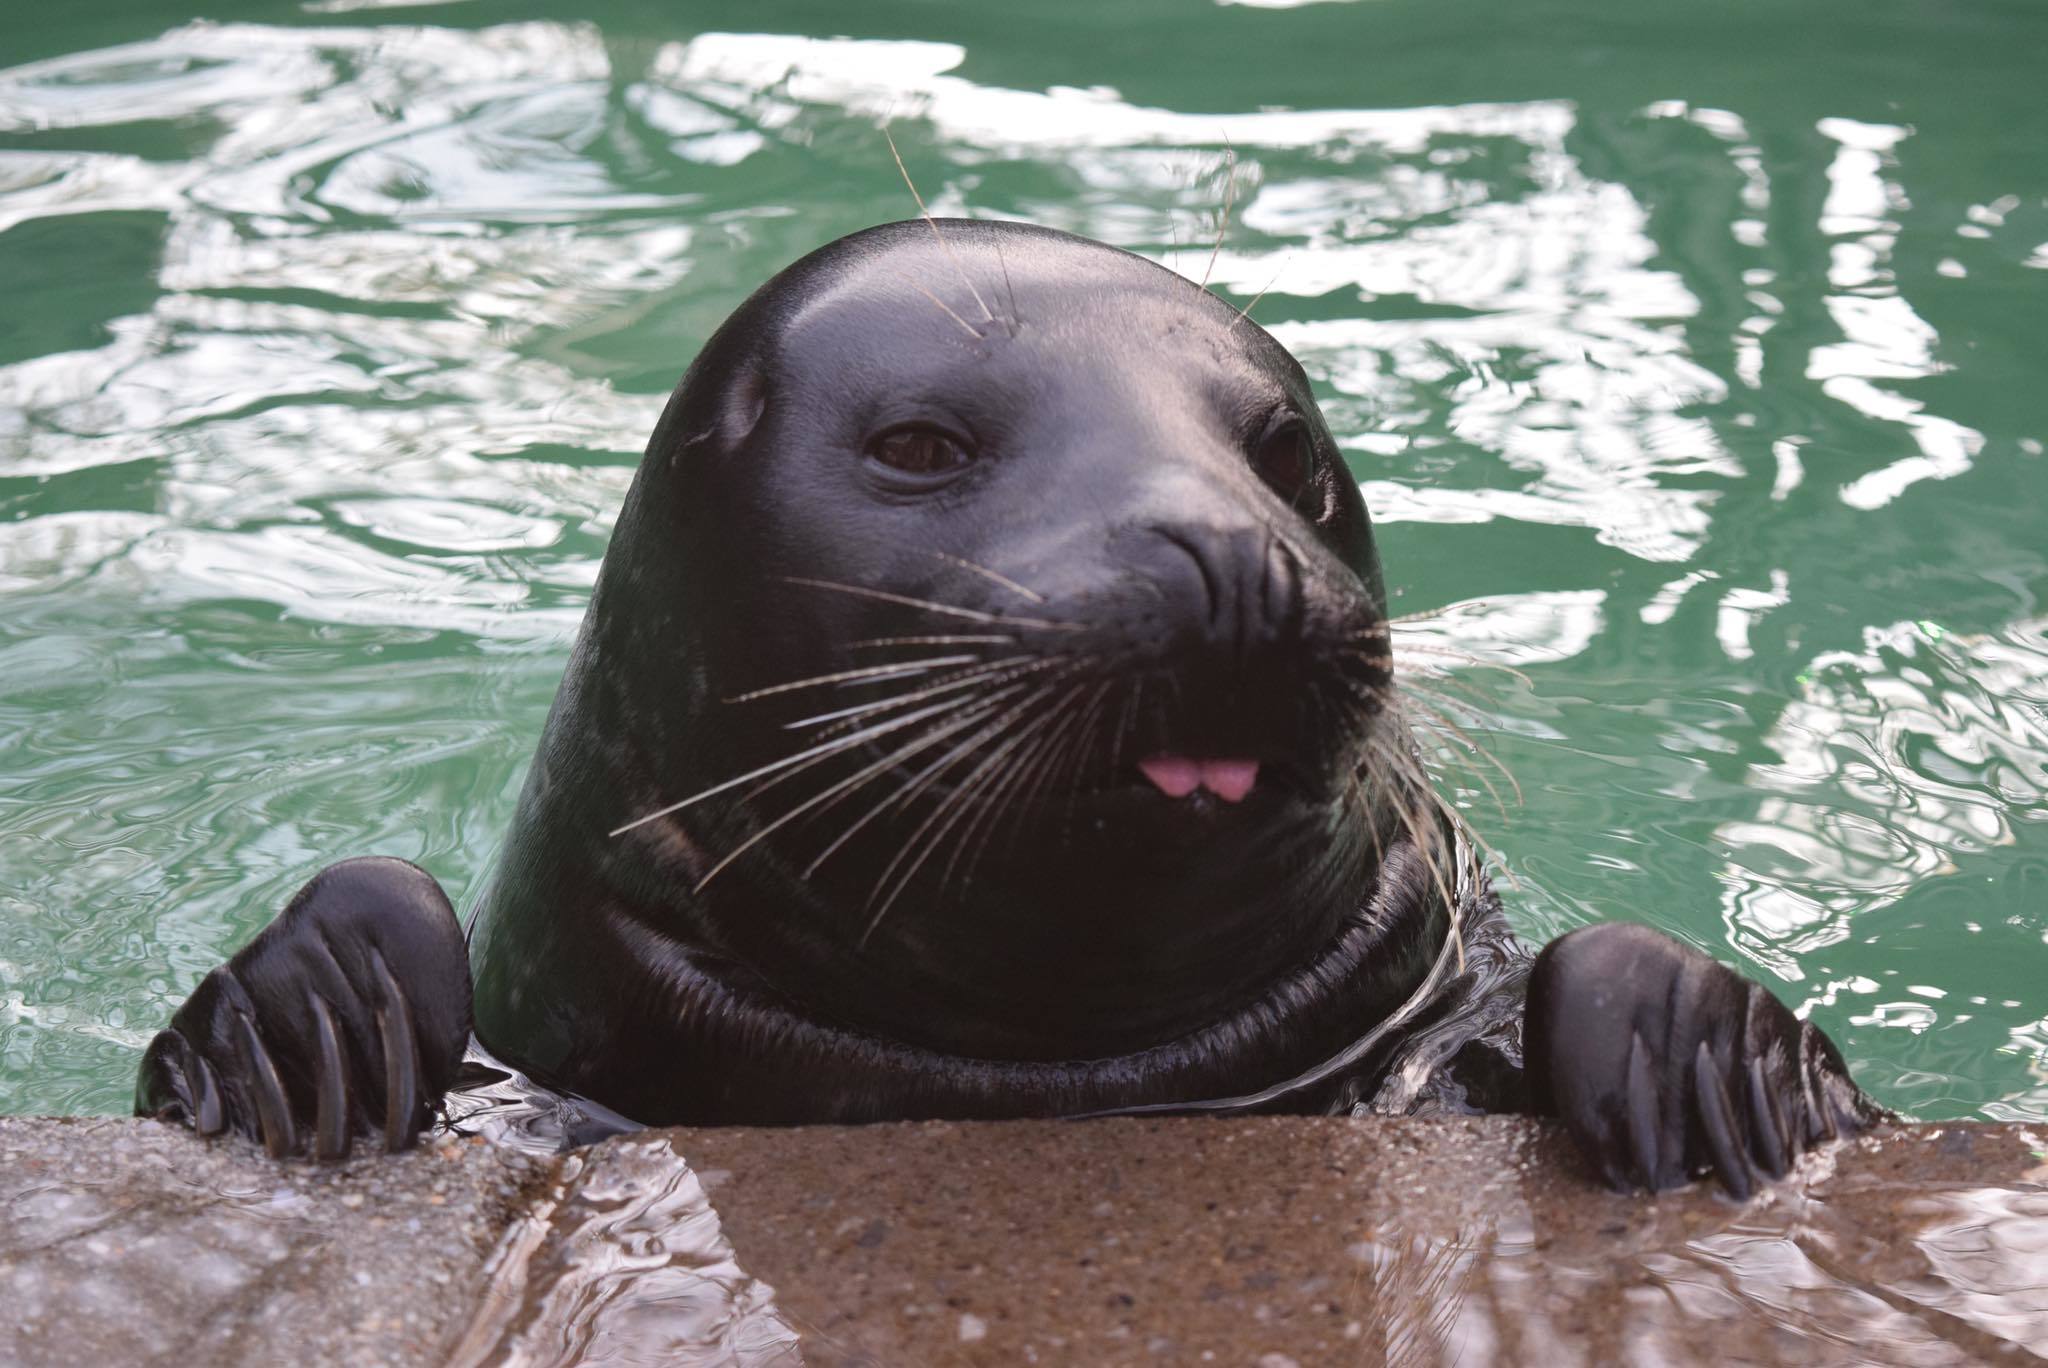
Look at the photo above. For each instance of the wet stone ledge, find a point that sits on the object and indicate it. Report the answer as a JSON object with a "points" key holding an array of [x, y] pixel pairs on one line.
{"points": [[126, 1242], [1261, 1242]]}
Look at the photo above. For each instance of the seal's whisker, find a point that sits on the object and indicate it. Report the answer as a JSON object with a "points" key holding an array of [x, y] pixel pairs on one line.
{"points": [[1229, 198], [1446, 691], [996, 798], [1246, 312], [1128, 724], [1477, 662], [1455, 820], [1073, 750], [1447, 754], [1082, 744], [1069, 747], [781, 771], [1008, 288], [953, 803], [1432, 614], [994, 576], [1044, 761], [1053, 751], [865, 674], [932, 736], [944, 307], [1412, 703], [931, 834], [908, 601], [1354, 792], [986, 802], [791, 763], [1000, 672], [956, 639], [1478, 842], [964, 791], [904, 793], [972, 713], [937, 236], [1407, 763], [1445, 723], [953, 683], [1416, 802], [980, 679], [1008, 789]]}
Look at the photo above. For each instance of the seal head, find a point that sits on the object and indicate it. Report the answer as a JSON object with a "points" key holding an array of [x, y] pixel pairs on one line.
{"points": [[982, 710]]}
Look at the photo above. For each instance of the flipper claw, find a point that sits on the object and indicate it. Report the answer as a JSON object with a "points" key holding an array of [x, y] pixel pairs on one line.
{"points": [[345, 1018], [401, 1060], [266, 1090], [1642, 1046], [331, 1138]]}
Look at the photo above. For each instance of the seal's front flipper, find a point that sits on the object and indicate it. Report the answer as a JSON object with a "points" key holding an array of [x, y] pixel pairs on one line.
{"points": [[1665, 1065], [344, 1019]]}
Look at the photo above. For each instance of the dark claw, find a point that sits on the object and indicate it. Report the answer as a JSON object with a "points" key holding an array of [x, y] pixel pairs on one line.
{"points": [[1772, 1154], [259, 1071], [401, 1059], [209, 1116], [1642, 1047], [1642, 1114], [331, 1139], [345, 1018], [1717, 1121]]}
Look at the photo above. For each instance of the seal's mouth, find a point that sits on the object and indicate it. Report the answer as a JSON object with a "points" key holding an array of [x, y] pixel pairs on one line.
{"points": [[1177, 776]]}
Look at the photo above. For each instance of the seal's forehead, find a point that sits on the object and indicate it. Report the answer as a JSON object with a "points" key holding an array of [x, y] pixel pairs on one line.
{"points": [[967, 281], [1029, 252]]}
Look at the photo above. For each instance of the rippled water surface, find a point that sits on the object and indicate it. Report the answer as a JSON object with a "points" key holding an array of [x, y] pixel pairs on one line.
{"points": [[1693, 362]]}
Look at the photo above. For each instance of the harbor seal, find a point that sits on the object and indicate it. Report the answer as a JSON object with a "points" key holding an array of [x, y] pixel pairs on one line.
{"points": [[987, 709]]}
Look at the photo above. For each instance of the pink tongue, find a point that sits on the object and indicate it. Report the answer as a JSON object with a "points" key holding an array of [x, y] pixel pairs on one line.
{"points": [[1177, 776]]}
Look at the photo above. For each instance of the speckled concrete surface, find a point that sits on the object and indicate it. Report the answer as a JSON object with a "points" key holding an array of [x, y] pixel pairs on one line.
{"points": [[1308, 1241], [126, 1242], [1261, 1242]]}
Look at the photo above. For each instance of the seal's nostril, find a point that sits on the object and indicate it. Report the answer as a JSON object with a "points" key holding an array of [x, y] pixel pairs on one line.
{"points": [[1249, 583], [1196, 544], [1286, 603]]}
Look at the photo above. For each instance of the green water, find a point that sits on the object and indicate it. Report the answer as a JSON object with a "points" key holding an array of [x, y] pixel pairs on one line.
{"points": [[1693, 360]]}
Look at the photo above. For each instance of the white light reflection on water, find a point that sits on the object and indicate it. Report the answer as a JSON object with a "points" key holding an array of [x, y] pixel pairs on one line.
{"points": [[1898, 761], [1884, 338]]}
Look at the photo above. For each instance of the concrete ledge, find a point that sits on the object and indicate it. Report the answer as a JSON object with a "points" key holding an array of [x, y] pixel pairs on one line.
{"points": [[1263, 1241], [1271, 1241], [130, 1242]]}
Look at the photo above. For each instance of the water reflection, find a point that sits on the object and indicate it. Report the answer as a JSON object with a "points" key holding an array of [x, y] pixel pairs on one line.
{"points": [[624, 1263]]}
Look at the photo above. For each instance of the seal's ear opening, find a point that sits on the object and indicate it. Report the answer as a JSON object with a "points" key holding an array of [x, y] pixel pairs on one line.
{"points": [[744, 401], [707, 416]]}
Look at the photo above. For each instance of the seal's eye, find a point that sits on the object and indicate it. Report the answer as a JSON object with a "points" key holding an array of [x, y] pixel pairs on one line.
{"points": [[1285, 458], [922, 451]]}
